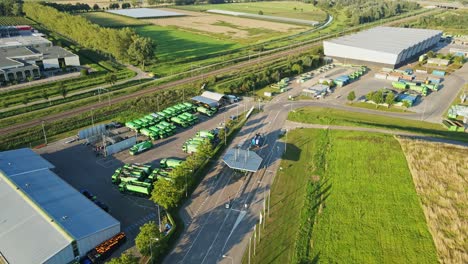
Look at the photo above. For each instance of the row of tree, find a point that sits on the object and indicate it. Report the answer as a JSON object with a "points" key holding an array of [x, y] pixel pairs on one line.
{"points": [[272, 75], [11, 7], [123, 44], [365, 11], [70, 8]]}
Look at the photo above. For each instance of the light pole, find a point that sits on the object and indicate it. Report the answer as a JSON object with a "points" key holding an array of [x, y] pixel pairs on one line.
{"points": [[228, 257], [159, 219], [225, 136], [92, 116], [186, 185], [43, 131], [151, 246]]}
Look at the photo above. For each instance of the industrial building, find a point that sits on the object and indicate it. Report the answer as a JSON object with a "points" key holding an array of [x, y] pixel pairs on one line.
{"points": [[210, 99], [25, 54], [383, 46], [46, 220]]}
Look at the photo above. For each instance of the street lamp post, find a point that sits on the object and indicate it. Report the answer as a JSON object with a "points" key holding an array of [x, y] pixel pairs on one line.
{"points": [[43, 131], [186, 184], [151, 246], [228, 257]]}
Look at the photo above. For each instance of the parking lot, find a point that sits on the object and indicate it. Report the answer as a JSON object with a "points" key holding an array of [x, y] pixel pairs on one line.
{"points": [[78, 165]]}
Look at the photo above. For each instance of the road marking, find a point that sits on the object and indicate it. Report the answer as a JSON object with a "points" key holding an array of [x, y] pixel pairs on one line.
{"points": [[216, 237], [204, 224]]}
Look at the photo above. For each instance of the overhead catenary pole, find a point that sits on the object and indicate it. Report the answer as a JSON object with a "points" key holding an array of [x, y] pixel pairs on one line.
{"points": [[159, 218]]}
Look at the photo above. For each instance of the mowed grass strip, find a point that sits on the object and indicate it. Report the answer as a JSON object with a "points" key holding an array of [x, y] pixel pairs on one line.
{"points": [[440, 174], [370, 211], [287, 9], [288, 194], [111, 20], [330, 116]]}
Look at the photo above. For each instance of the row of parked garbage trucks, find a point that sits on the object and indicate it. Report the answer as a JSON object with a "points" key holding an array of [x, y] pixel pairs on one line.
{"points": [[163, 124], [191, 145], [139, 178]]}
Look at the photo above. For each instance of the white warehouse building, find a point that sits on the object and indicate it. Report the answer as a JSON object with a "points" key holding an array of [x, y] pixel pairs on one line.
{"points": [[42, 218], [387, 46]]}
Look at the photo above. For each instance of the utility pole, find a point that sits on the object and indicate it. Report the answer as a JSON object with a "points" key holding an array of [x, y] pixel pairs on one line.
{"points": [[269, 192], [250, 245], [225, 136], [157, 101], [43, 131]]}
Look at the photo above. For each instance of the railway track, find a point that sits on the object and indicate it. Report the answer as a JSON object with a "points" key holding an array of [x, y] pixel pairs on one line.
{"points": [[188, 80]]}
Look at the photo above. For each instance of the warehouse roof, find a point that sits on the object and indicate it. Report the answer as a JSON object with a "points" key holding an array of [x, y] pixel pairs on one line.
{"points": [[386, 39], [51, 197], [31, 40]]}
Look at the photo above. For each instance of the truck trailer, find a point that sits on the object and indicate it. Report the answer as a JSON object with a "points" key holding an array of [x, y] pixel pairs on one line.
{"points": [[106, 248]]}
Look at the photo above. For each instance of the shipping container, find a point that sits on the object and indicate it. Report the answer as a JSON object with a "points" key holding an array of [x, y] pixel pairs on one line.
{"points": [[381, 76], [399, 85], [438, 73]]}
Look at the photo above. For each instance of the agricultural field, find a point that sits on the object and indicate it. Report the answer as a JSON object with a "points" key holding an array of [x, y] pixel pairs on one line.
{"points": [[344, 197], [440, 174], [289, 9], [329, 116], [15, 21], [241, 30], [110, 20]]}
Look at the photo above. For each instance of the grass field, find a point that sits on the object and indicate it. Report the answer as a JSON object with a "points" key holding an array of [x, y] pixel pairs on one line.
{"points": [[14, 21], [329, 116], [367, 210], [440, 173], [177, 46], [380, 108], [110, 20], [290, 9]]}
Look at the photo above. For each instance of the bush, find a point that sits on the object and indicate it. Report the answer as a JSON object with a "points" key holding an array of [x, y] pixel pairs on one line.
{"points": [[84, 72]]}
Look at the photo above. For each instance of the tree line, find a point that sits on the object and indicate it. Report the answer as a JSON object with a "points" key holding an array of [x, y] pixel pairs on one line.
{"points": [[123, 44], [271, 75], [70, 8], [365, 11], [11, 7]]}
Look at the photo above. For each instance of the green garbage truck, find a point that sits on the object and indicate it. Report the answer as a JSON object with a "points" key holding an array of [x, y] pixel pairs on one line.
{"points": [[141, 147], [170, 163], [180, 122], [190, 148], [206, 111]]}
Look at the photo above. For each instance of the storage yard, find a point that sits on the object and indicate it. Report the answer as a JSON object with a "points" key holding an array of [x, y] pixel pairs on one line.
{"points": [[128, 202]]}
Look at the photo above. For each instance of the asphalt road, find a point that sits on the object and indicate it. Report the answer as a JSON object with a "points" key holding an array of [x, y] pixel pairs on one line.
{"points": [[212, 230]]}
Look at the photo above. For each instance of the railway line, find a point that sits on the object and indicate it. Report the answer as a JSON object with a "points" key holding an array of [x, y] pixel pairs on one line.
{"points": [[275, 55]]}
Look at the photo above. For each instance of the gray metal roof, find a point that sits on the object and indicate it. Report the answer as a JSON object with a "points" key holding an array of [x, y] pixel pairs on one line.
{"points": [[36, 184], [386, 39], [213, 96], [241, 159], [26, 235], [205, 100], [144, 13], [24, 40]]}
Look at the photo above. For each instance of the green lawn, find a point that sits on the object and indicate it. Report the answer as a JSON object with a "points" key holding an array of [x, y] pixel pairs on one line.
{"points": [[380, 108], [329, 116], [111, 20], [290, 9], [175, 46], [366, 207]]}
